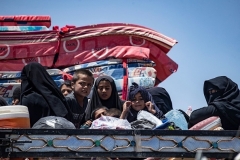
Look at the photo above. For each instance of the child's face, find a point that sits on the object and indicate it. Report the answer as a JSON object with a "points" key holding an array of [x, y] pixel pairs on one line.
{"points": [[83, 85], [66, 90], [99, 113], [138, 102], [104, 90]]}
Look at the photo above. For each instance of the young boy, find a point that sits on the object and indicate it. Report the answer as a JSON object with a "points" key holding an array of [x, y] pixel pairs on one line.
{"points": [[82, 83]]}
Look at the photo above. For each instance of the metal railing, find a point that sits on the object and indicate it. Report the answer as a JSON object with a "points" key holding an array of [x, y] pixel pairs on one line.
{"points": [[81, 143]]}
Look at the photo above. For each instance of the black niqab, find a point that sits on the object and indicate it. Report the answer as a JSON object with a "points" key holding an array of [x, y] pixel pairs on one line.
{"points": [[161, 98], [95, 101], [226, 100], [40, 93]]}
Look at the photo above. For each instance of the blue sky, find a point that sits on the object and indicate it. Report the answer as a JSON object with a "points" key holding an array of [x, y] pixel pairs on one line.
{"points": [[207, 32]]}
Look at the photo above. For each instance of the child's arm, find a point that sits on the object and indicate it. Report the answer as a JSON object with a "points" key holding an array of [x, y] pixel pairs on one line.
{"points": [[89, 122], [150, 107], [155, 111], [126, 107], [86, 125]]}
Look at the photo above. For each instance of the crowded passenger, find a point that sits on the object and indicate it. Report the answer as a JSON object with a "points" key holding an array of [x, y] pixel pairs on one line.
{"points": [[223, 99], [41, 94], [66, 88], [139, 99], [96, 113], [102, 111], [161, 99], [104, 94], [82, 83]]}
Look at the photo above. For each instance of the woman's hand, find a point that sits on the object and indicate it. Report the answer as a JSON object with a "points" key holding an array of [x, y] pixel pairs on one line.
{"points": [[150, 107]]}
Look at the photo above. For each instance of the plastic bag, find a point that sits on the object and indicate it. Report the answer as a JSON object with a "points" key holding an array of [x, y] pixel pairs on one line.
{"points": [[107, 122], [149, 116], [142, 124]]}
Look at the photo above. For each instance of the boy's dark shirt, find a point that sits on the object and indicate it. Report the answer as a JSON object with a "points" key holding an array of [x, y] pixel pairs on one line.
{"points": [[77, 111]]}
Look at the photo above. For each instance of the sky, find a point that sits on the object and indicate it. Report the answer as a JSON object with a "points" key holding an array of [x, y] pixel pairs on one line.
{"points": [[207, 31]]}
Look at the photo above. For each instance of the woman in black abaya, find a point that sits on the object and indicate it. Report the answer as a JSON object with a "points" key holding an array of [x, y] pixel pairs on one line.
{"points": [[102, 96], [161, 99], [40, 94], [223, 99]]}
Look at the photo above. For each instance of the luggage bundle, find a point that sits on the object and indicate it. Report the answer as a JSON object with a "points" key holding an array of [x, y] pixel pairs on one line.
{"points": [[127, 52], [24, 23]]}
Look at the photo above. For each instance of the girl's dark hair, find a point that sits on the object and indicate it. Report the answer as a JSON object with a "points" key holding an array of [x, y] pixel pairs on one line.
{"points": [[67, 83], [104, 79]]}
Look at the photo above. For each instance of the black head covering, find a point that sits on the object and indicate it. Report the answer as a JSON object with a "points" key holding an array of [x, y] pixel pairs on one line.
{"points": [[134, 89], [113, 102], [17, 93], [3, 102], [161, 99], [36, 81], [226, 100]]}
